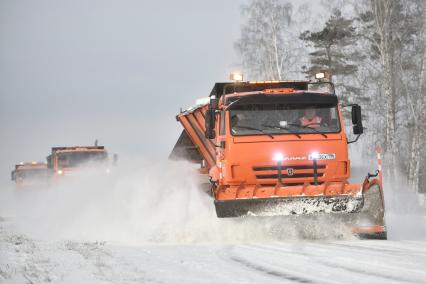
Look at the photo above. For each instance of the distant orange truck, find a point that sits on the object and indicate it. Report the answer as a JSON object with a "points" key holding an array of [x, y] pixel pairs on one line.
{"points": [[31, 174], [64, 161]]}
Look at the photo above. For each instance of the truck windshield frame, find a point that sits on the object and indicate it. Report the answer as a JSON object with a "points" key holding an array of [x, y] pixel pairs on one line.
{"points": [[282, 119], [77, 159]]}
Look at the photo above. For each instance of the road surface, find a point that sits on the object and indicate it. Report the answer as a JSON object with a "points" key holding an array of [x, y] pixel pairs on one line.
{"points": [[144, 229], [25, 260]]}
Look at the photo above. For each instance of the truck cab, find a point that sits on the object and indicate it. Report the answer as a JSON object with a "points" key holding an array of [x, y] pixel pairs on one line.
{"points": [[256, 130], [30, 175], [67, 161]]}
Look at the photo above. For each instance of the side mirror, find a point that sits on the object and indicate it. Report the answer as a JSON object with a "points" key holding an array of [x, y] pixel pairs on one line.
{"points": [[49, 162], [358, 129], [356, 114], [210, 123], [114, 159]]}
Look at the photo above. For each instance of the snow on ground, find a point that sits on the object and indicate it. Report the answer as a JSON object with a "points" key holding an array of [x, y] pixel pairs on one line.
{"points": [[153, 225], [23, 260]]}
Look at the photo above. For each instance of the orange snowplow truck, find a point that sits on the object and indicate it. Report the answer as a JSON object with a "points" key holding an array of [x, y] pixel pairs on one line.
{"points": [[64, 161], [280, 148], [30, 175]]}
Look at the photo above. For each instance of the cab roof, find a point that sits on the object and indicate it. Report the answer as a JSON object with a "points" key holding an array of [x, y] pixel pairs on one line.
{"points": [[222, 88], [78, 149], [31, 166]]}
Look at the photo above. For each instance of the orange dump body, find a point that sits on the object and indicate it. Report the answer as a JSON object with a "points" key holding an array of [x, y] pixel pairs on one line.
{"points": [[247, 180]]}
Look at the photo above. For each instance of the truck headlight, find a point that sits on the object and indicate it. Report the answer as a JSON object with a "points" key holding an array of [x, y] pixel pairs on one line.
{"points": [[278, 157]]}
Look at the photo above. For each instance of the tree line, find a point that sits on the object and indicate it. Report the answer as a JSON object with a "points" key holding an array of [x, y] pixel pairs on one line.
{"points": [[375, 51]]}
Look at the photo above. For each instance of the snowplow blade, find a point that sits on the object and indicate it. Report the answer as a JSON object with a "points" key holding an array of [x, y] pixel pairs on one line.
{"points": [[371, 232], [284, 206], [359, 206]]}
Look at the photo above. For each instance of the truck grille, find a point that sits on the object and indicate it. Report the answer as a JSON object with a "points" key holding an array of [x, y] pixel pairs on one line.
{"points": [[298, 173]]}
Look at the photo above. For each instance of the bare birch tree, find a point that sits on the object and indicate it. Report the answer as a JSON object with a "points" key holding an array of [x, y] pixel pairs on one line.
{"points": [[396, 31], [416, 95], [383, 14], [266, 42]]}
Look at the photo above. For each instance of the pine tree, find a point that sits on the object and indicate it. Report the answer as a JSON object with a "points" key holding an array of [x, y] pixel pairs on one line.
{"points": [[334, 51]]}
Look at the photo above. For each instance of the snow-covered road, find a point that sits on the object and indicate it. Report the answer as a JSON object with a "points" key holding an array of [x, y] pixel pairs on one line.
{"points": [[23, 260], [142, 229]]}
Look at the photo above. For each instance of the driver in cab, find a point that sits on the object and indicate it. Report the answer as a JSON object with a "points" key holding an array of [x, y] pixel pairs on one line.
{"points": [[310, 119]]}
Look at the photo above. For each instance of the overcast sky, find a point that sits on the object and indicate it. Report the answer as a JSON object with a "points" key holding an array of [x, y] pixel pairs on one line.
{"points": [[77, 70]]}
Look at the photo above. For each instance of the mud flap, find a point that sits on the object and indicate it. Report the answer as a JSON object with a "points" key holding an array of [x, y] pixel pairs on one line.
{"points": [[284, 206]]}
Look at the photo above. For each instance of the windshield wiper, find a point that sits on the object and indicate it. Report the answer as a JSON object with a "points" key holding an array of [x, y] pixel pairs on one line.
{"points": [[307, 126], [256, 129], [233, 102], [283, 128]]}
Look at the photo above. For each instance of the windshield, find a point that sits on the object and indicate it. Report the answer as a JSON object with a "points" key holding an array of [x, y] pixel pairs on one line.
{"points": [[32, 174], [269, 119], [74, 159]]}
